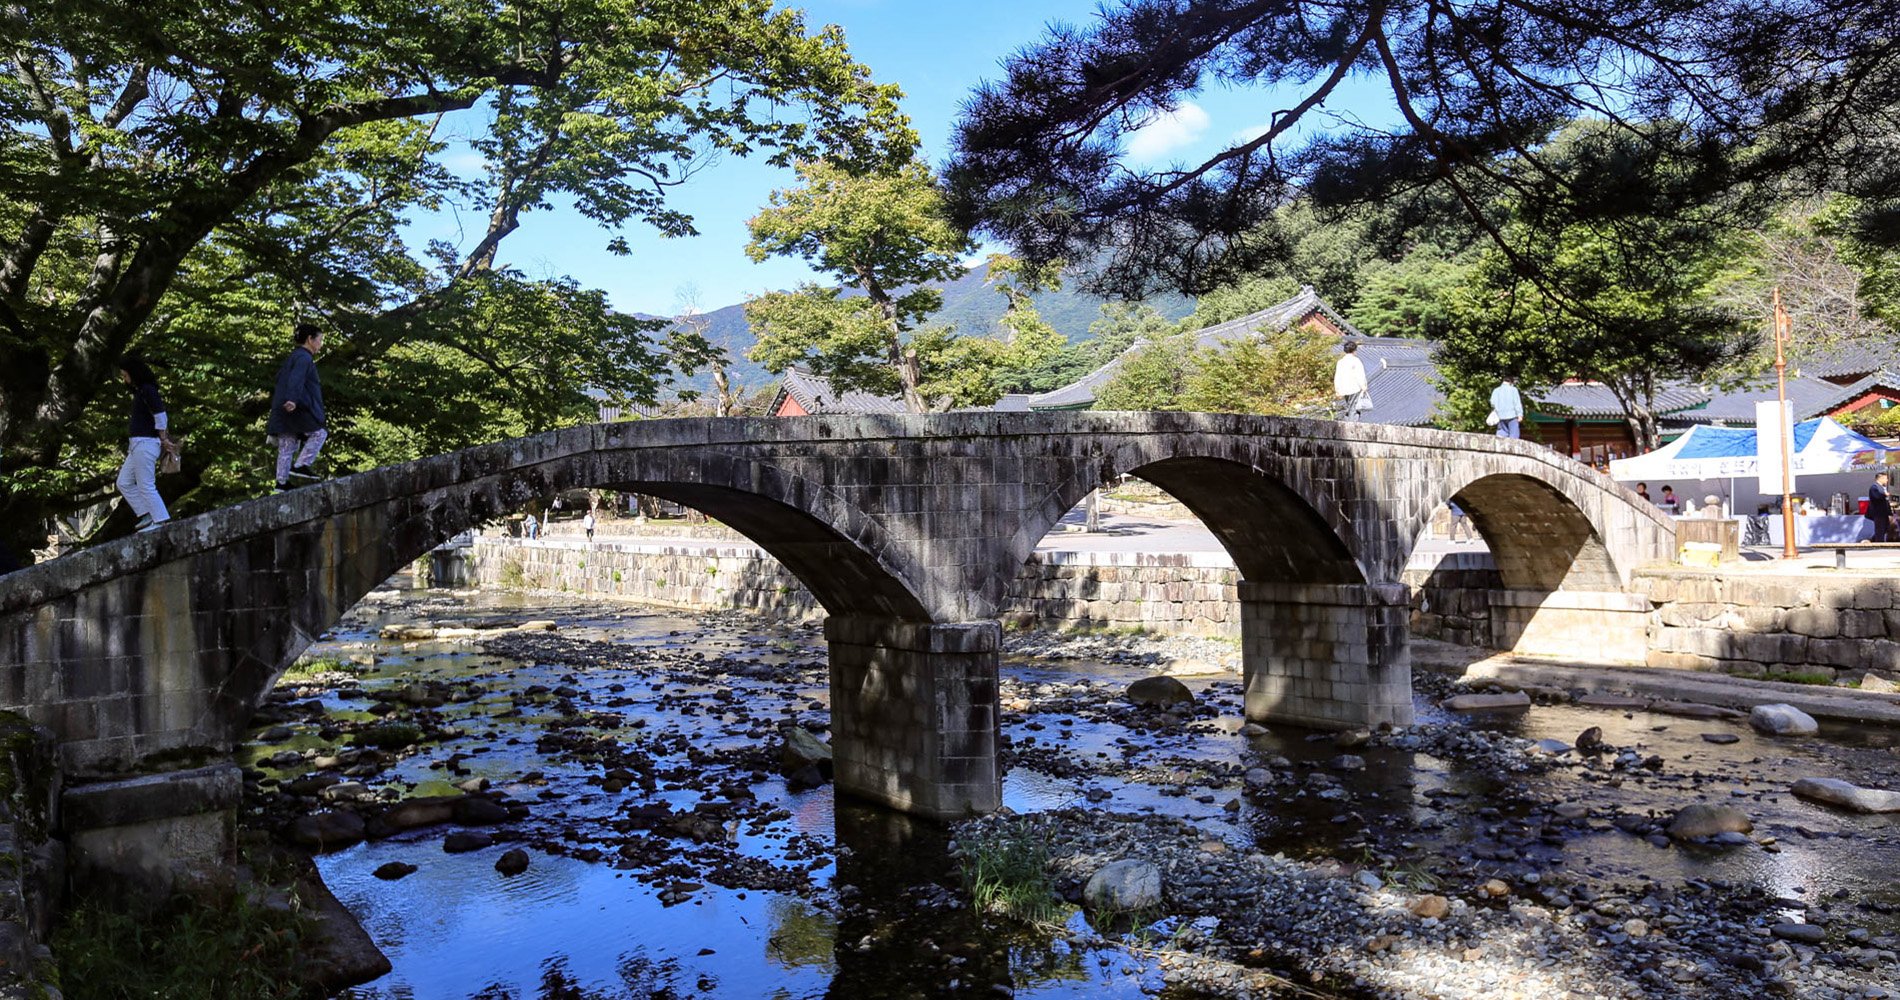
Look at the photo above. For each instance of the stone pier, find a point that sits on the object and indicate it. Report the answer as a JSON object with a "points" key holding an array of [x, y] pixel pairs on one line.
{"points": [[913, 714], [1330, 656]]}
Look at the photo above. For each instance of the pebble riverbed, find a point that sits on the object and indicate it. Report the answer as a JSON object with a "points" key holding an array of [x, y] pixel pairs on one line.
{"points": [[602, 809]]}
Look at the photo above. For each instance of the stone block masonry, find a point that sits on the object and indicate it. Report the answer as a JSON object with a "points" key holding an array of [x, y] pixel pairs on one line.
{"points": [[1326, 655], [1824, 627], [1164, 593], [914, 714]]}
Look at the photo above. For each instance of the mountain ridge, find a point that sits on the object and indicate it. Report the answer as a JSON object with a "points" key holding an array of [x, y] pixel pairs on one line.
{"points": [[969, 304]]}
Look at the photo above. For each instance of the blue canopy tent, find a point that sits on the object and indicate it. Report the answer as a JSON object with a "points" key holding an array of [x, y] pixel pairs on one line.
{"points": [[1820, 446]]}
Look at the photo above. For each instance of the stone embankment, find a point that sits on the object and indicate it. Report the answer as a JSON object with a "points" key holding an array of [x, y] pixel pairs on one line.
{"points": [[1755, 625], [1171, 593], [1809, 627]]}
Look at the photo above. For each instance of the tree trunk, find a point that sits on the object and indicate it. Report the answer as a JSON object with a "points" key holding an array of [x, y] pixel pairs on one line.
{"points": [[722, 383]]}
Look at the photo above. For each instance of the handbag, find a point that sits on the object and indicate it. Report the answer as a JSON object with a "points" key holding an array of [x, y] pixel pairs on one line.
{"points": [[1491, 419], [173, 460]]}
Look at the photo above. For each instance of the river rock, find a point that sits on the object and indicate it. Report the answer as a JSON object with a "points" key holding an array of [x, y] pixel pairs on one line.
{"points": [[1352, 739], [512, 863], [802, 750], [327, 831], [1160, 690], [1554, 748], [407, 632], [1801, 933], [1878, 684], [343, 791], [411, 813], [1782, 720], [1835, 792], [463, 841], [539, 625], [1721, 739], [474, 811], [1486, 702], [1347, 762], [394, 870], [1701, 820], [1431, 907], [311, 784], [1253, 729], [1124, 886], [1591, 739]]}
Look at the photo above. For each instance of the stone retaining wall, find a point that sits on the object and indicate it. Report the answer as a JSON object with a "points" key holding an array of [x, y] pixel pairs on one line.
{"points": [[1749, 625], [1757, 624], [1170, 593]]}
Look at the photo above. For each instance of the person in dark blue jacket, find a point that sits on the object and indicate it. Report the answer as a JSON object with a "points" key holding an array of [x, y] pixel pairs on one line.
{"points": [[1880, 509], [296, 410], [150, 437]]}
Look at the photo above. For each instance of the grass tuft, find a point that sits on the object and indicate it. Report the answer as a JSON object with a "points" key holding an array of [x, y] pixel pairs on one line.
{"points": [[191, 949], [1007, 872]]}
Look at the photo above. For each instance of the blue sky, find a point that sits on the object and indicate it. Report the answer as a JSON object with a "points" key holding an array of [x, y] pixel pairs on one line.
{"points": [[937, 52]]}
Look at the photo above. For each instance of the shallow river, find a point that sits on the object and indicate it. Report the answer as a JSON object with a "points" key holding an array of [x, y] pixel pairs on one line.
{"points": [[879, 913]]}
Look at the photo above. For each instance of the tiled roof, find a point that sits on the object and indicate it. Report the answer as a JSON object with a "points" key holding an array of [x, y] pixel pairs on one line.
{"points": [[1856, 357], [1595, 400], [1812, 397], [1275, 318], [814, 393], [1399, 375]]}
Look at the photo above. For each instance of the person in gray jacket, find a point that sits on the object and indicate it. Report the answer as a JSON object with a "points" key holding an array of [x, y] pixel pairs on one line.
{"points": [[296, 410]]}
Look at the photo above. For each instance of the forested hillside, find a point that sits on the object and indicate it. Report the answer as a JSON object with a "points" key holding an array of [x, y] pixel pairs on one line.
{"points": [[969, 304]]}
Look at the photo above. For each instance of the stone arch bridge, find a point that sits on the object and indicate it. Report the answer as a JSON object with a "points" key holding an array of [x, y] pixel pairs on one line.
{"points": [[907, 528]]}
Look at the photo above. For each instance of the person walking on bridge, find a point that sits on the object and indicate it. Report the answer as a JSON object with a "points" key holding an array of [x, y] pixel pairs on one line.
{"points": [[1350, 390], [150, 437], [296, 410], [1509, 408]]}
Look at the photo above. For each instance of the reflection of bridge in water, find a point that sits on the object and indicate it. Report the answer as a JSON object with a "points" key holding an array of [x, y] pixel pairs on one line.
{"points": [[908, 529]]}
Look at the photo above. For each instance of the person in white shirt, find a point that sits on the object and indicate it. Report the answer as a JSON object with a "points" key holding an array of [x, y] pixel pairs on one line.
{"points": [[1509, 407], [1350, 393], [587, 524]]}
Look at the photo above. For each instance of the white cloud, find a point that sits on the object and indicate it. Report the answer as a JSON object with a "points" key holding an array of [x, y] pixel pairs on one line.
{"points": [[1252, 132], [1166, 133]]}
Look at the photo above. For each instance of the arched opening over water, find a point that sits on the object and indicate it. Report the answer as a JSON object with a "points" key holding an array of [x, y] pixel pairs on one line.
{"points": [[1540, 540]]}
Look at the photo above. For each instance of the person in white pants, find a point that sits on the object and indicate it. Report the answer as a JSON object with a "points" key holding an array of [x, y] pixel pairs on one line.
{"points": [[150, 437]]}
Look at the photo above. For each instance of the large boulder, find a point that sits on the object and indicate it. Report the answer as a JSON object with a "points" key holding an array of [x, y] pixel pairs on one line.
{"points": [[1698, 821], [327, 831], [476, 811], [1835, 792], [802, 750], [1160, 690], [1123, 887], [1782, 720], [428, 811]]}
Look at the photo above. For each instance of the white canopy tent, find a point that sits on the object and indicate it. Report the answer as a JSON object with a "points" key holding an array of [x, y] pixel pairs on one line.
{"points": [[1821, 446], [1828, 459]]}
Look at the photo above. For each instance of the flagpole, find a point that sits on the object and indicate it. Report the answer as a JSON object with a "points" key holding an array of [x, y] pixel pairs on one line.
{"points": [[1785, 431]]}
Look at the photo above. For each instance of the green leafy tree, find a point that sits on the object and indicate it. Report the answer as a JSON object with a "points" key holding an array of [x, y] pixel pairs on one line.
{"points": [[1280, 374], [1618, 298], [1154, 377], [188, 180], [884, 234]]}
